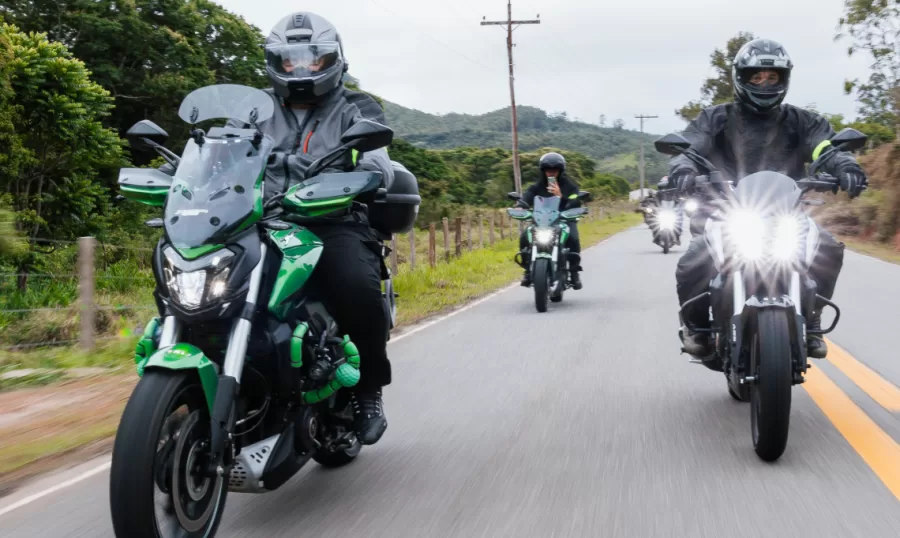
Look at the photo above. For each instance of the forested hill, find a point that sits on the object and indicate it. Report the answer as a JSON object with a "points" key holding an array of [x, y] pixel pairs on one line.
{"points": [[614, 148]]}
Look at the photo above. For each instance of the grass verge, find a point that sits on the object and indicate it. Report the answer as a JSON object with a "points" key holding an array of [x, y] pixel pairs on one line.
{"points": [[877, 250], [86, 412]]}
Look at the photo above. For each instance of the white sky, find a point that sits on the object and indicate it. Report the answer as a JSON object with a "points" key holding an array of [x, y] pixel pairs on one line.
{"points": [[587, 57]]}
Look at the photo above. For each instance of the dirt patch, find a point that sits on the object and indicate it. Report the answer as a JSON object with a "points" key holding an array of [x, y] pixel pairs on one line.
{"points": [[48, 427]]}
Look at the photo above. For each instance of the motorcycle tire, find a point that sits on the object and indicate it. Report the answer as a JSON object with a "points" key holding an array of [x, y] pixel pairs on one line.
{"points": [[541, 280], [770, 394]]}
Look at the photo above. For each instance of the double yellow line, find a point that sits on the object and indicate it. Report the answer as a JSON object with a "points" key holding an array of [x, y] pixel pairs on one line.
{"points": [[878, 449]]}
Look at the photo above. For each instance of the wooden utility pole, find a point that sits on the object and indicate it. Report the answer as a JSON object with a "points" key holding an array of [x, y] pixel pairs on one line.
{"points": [[642, 118], [509, 22]]}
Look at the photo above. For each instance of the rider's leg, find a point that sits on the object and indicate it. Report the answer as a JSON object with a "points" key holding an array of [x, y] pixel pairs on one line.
{"points": [[574, 245], [349, 273], [824, 270], [526, 257], [695, 270]]}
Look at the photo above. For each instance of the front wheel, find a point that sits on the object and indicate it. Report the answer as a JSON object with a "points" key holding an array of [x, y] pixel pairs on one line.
{"points": [[541, 278], [665, 248], [156, 487], [770, 395]]}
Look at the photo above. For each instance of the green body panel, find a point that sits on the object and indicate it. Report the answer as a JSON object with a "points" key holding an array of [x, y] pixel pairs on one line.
{"points": [[186, 357], [529, 232], [257, 205], [300, 249], [347, 375], [564, 233], [314, 208], [297, 344], [145, 346], [152, 196], [196, 252]]}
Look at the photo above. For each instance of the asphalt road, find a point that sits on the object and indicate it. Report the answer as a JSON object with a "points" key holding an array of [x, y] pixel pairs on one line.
{"points": [[584, 421]]}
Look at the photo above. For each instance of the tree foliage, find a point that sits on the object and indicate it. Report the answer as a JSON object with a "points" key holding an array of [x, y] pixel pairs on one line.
{"points": [[873, 26], [148, 54], [719, 88]]}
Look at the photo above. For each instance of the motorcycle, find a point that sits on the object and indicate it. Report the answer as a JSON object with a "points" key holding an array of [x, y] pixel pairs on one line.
{"points": [[762, 244], [547, 239], [241, 373], [665, 224]]}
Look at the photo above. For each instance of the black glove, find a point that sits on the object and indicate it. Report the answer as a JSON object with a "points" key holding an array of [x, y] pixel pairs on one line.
{"points": [[853, 180], [683, 180]]}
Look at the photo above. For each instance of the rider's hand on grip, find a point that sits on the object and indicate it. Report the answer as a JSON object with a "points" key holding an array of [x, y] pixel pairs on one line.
{"points": [[853, 182]]}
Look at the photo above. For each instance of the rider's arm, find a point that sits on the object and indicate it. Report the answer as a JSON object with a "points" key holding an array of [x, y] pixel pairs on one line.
{"points": [[362, 106], [527, 199], [816, 130], [569, 191], [701, 133]]}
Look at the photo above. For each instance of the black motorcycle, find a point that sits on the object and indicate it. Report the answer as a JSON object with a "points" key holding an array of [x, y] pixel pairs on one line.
{"points": [[763, 244]]}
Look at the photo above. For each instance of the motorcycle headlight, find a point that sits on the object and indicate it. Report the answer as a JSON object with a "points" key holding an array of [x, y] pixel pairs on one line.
{"points": [[786, 242], [666, 220], [543, 236], [193, 283], [746, 232], [690, 206]]}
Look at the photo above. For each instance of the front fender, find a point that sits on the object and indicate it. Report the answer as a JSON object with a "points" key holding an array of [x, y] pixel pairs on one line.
{"points": [[797, 323], [185, 357]]}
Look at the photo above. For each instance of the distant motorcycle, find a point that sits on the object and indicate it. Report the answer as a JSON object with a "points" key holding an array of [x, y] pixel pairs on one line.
{"points": [[762, 245], [547, 239], [665, 223]]}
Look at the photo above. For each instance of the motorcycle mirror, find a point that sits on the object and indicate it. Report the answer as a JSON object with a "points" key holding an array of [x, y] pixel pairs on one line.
{"points": [[154, 223], [585, 195], [849, 140], [367, 135], [514, 196], [671, 144], [145, 135]]}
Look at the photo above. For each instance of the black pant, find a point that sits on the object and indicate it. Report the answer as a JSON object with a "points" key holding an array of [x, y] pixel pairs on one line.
{"points": [[349, 277], [695, 270], [573, 243]]}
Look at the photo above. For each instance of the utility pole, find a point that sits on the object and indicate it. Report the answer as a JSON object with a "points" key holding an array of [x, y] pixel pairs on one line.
{"points": [[509, 22], [642, 118]]}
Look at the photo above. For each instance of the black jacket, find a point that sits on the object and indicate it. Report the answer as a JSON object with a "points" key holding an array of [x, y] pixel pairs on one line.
{"points": [[567, 188], [740, 143]]}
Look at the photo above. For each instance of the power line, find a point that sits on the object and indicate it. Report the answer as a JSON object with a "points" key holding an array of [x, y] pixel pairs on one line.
{"points": [[509, 22]]}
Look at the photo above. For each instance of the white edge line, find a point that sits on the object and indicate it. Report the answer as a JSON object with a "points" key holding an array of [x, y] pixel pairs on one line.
{"points": [[74, 480], [104, 466]]}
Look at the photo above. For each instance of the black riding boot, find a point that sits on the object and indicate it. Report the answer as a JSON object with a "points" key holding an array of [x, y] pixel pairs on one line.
{"points": [[815, 343], [574, 269]]}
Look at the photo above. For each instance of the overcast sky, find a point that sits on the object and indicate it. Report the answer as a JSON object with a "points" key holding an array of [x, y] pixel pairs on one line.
{"points": [[587, 57]]}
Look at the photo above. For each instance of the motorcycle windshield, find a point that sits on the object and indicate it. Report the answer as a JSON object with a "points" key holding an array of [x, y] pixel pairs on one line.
{"points": [[546, 211], [767, 193], [227, 102], [217, 190]]}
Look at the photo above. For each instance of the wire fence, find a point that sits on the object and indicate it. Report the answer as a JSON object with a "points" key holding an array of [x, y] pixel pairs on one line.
{"points": [[428, 246]]}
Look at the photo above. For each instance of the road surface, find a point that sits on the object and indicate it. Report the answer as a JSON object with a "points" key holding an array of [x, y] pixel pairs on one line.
{"points": [[585, 421]]}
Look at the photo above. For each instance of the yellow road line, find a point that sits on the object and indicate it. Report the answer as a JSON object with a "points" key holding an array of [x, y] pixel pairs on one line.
{"points": [[881, 390], [877, 448]]}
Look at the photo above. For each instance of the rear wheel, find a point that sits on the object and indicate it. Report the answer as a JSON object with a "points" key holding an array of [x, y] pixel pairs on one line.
{"points": [[157, 489], [541, 279], [770, 395]]}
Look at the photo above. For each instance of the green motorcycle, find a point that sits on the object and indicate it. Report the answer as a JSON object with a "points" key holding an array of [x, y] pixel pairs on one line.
{"points": [[547, 238], [242, 370]]}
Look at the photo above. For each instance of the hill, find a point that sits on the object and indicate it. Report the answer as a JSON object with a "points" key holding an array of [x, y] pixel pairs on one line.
{"points": [[616, 150]]}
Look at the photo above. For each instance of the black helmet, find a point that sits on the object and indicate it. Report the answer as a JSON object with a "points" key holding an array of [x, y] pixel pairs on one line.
{"points": [[553, 160], [304, 58], [755, 56]]}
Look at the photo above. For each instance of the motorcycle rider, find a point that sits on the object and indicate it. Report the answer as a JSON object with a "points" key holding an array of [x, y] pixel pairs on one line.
{"points": [[664, 193], [755, 133], [305, 64], [553, 166]]}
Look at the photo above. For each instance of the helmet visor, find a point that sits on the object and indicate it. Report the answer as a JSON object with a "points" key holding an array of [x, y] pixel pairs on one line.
{"points": [[764, 81], [299, 60]]}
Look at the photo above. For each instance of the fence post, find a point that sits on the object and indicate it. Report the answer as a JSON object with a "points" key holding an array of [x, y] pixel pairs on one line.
{"points": [[412, 249], [86, 291], [393, 254], [431, 245], [502, 227], [509, 223], [491, 227], [469, 231], [480, 230], [445, 223], [458, 233]]}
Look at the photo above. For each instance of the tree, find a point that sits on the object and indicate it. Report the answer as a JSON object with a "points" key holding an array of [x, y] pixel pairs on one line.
{"points": [[720, 88], [872, 26], [619, 124], [149, 54], [63, 154]]}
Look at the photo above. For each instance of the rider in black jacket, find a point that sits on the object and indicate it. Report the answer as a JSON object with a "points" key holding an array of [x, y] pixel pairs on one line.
{"points": [[756, 133], [553, 166]]}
